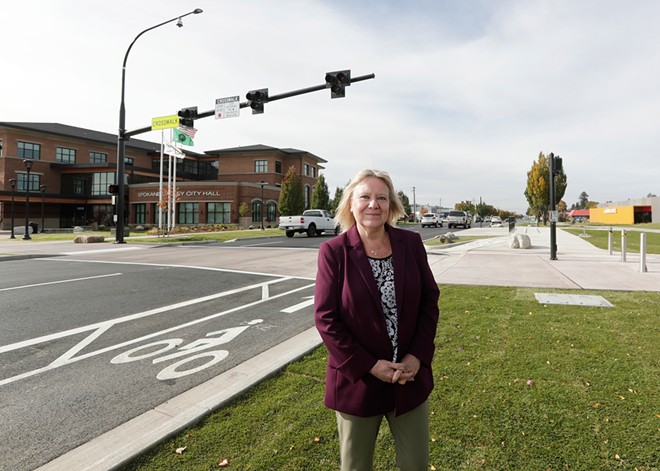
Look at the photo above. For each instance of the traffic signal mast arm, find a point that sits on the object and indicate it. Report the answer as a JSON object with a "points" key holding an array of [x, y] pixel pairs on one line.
{"points": [[246, 104]]}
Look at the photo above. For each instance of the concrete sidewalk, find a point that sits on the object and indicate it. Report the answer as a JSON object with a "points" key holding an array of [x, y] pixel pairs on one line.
{"points": [[579, 264], [487, 261]]}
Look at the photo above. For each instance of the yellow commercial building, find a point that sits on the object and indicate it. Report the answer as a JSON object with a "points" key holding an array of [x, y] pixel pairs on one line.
{"points": [[613, 215], [639, 211]]}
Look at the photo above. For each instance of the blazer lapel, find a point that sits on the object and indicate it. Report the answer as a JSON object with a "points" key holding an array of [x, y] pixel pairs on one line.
{"points": [[358, 257]]}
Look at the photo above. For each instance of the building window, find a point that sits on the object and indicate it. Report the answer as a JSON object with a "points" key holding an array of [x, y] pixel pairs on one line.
{"points": [[140, 213], [218, 213], [271, 212], [0, 147], [260, 166], [98, 157], [256, 211], [307, 198], [35, 182], [27, 150], [278, 166], [306, 170], [314, 172], [128, 160], [101, 182], [64, 155], [188, 213]]}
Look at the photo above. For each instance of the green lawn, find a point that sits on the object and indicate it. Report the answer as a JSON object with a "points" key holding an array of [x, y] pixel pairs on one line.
{"points": [[599, 238], [519, 386]]}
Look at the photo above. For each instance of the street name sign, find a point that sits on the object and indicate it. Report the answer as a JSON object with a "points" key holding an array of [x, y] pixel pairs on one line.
{"points": [[165, 122]]}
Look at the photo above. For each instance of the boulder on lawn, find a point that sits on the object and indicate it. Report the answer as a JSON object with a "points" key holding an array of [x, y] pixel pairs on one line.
{"points": [[88, 239]]}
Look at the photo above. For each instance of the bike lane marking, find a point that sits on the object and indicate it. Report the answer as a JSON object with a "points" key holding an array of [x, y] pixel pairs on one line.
{"points": [[99, 328]]}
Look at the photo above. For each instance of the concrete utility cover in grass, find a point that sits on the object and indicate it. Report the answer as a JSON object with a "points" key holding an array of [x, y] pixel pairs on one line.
{"points": [[572, 299]]}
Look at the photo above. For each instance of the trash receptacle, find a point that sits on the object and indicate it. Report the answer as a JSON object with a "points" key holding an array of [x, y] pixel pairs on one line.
{"points": [[35, 227], [512, 223]]}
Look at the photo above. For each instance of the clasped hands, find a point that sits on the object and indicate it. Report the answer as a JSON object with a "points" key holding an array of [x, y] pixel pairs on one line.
{"points": [[401, 373]]}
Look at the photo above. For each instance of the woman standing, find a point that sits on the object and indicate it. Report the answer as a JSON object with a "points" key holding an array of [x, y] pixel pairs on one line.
{"points": [[376, 308]]}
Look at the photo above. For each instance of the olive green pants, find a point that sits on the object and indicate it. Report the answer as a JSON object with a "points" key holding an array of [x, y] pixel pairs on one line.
{"points": [[357, 439]]}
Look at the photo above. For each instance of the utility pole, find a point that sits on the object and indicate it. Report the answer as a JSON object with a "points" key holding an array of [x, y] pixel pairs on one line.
{"points": [[414, 206], [555, 165]]}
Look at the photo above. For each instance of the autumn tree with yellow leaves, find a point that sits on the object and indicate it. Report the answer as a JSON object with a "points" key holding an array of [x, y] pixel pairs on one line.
{"points": [[538, 188]]}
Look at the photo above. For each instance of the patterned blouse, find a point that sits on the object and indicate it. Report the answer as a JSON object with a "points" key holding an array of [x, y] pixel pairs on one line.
{"points": [[383, 270]]}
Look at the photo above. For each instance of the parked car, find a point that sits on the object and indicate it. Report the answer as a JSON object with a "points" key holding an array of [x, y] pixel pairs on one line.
{"points": [[444, 217], [495, 221], [313, 222], [431, 219], [459, 218]]}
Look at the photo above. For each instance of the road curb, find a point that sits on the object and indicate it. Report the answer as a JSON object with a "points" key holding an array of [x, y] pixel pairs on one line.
{"points": [[120, 445]]}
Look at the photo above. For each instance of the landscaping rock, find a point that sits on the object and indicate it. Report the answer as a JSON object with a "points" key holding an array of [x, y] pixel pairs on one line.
{"points": [[513, 242], [88, 239], [524, 241]]}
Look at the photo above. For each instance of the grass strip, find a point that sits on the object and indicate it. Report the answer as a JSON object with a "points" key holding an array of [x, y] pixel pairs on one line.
{"points": [[599, 238], [519, 386]]}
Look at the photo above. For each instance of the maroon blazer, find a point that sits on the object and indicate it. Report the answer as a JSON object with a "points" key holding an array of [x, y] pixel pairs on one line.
{"points": [[349, 316]]}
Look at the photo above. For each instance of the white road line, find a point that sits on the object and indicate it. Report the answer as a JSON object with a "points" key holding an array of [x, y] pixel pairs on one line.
{"points": [[299, 306], [60, 281], [123, 249], [192, 267], [68, 358], [131, 317]]}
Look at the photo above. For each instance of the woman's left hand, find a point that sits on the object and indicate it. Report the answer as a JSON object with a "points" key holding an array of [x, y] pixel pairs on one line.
{"points": [[412, 364]]}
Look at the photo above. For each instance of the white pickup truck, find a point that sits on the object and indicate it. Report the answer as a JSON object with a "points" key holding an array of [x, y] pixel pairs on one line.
{"points": [[312, 221]]}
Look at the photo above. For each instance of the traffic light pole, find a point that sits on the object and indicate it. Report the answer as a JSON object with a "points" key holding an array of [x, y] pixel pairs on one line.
{"points": [[246, 104], [553, 223]]}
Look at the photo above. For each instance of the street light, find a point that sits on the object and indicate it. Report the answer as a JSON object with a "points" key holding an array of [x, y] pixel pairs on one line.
{"points": [[28, 167], [121, 137], [12, 182], [43, 191], [262, 183]]}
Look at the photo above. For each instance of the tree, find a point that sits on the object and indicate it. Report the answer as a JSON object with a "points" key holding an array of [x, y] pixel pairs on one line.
{"points": [[583, 199], [292, 200], [320, 195], [339, 192], [466, 206], [538, 187], [405, 201]]}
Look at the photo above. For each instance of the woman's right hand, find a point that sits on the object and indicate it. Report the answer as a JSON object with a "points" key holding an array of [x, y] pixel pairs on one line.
{"points": [[387, 371]]}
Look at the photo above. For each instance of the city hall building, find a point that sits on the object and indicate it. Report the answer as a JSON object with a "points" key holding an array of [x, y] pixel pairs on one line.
{"points": [[69, 171]]}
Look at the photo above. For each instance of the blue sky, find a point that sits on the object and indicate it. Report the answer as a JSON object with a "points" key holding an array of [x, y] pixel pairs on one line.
{"points": [[466, 95]]}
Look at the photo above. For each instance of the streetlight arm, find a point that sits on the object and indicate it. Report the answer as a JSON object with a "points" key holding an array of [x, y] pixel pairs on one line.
{"points": [[194, 12]]}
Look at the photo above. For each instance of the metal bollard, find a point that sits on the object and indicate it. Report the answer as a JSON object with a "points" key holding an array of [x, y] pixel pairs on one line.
{"points": [[623, 245], [609, 242], [642, 253]]}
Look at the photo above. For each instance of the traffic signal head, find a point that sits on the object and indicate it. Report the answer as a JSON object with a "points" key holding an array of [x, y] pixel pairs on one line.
{"points": [[187, 116], [113, 189], [558, 164], [337, 81], [256, 100]]}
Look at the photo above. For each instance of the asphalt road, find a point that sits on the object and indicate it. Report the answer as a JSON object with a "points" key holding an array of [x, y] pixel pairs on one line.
{"points": [[86, 345]]}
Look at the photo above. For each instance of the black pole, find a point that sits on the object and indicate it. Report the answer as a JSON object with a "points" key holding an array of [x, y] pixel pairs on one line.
{"points": [[553, 224], [122, 137], [43, 192], [12, 182], [280, 96], [262, 205], [28, 167]]}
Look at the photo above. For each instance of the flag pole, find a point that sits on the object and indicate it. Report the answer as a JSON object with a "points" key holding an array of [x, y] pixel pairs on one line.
{"points": [[160, 183]]}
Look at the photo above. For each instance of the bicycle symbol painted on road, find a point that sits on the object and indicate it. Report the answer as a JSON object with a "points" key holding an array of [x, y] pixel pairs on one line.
{"points": [[192, 352]]}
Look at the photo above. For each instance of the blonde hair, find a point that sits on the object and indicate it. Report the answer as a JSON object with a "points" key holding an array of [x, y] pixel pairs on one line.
{"points": [[344, 217]]}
